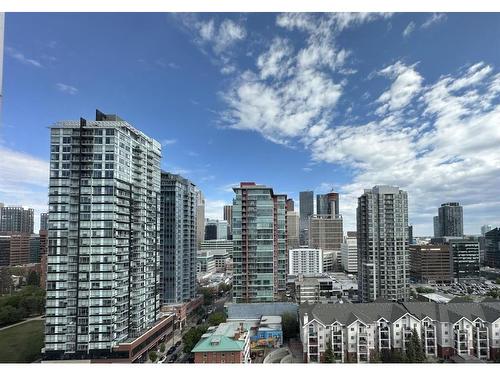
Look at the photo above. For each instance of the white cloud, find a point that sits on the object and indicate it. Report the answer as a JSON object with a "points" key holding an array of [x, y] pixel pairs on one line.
{"points": [[24, 181], [406, 85], [409, 29], [168, 142], [214, 208], [67, 89], [433, 19], [22, 58]]}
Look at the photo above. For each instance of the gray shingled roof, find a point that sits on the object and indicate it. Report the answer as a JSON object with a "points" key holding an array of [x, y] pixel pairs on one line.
{"points": [[369, 312]]}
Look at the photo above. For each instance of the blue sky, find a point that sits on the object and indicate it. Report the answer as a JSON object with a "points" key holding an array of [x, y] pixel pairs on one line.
{"points": [[293, 101]]}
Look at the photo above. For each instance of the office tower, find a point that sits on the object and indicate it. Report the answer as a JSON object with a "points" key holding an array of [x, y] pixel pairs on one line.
{"points": [[35, 249], [200, 214], [306, 210], [383, 258], [486, 228], [210, 230], [103, 257], [327, 204], [4, 250], [305, 261], [437, 230], [349, 253], [451, 220], [326, 233], [15, 249], [431, 263], [228, 216], [292, 222], [466, 258], [259, 244], [216, 230], [44, 221], [16, 220], [290, 204], [492, 245], [178, 246]]}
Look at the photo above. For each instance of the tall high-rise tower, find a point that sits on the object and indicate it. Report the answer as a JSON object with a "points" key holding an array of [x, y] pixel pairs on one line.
{"points": [[327, 204], [451, 220], [383, 255], [259, 244], [178, 231], [103, 253], [306, 210]]}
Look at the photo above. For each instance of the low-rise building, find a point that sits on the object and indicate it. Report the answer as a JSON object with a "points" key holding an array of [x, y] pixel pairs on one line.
{"points": [[431, 263], [305, 261], [220, 249], [227, 343], [492, 248], [325, 288], [206, 263], [182, 310], [358, 332]]}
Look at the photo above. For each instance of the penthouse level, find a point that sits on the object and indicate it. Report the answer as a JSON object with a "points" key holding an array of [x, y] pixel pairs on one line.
{"points": [[358, 332]]}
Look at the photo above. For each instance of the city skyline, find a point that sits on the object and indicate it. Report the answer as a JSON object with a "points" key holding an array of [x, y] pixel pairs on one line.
{"points": [[215, 88]]}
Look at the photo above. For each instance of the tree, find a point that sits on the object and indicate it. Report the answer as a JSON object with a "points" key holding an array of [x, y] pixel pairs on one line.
{"points": [[208, 295], [216, 318], [191, 338], [495, 293], [497, 280], [376, 357], [33, 278], [414, 350], [6, 284], [290, 326], [153, 356], [162, 347], [329, 358]]}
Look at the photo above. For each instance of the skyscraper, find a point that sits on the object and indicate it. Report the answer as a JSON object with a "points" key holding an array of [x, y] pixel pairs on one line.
{"points": [[451, 220], [349, 253], [216, 230], [44, 221], [383, 257], [326, 233], [259, 244], [200, 215], [228, 216], [290, 204], [16, 220], [327, 204], [486, 228], [292, 222], [437, 230], [306, 210], [492, 239], [103, 254], [178, 229]]}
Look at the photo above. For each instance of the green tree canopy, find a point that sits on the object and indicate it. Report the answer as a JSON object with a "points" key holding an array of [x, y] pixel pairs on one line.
{"points": [[290, 325], [329, 358]]}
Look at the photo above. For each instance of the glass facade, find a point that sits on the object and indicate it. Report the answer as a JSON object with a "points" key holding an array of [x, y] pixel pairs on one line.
{"points": [[103, 259], [178, 231], [259, 244]]}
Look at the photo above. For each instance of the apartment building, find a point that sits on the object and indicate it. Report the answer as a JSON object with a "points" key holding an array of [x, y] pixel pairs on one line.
{"points": [[324, 288], [349, 253], [14, 219], [304, 261], [260, 253], [178, 243], [383, 256], [227, 343], [103, 281], [358, 331]]}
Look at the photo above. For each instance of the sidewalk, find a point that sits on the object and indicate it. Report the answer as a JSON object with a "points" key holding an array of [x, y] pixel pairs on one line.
{"points": [[22, 322]]}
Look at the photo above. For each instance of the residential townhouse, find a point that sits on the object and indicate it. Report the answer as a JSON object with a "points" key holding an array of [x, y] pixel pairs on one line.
{"points": [[358, 331]]}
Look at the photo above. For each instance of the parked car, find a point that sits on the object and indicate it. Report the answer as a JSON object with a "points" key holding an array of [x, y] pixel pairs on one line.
{"points": [[162, 359], [171, 350], [177, 343], [173, 358]]}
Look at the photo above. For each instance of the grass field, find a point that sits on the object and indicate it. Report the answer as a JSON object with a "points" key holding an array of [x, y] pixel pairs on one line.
{"points": [[22, 343]]}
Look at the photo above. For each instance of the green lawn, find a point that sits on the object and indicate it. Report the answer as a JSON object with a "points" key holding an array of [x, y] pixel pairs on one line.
{"points": [[22, 343]]}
